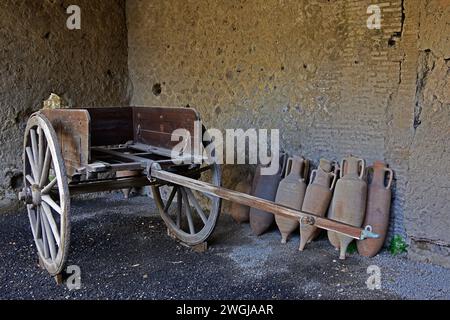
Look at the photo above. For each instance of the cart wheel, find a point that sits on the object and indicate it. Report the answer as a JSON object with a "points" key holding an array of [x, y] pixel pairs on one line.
{"points": [[46, 193], [193, 217]]}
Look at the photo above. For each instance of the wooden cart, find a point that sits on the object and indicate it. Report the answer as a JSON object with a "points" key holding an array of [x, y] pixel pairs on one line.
{"points": [[77, 151]]}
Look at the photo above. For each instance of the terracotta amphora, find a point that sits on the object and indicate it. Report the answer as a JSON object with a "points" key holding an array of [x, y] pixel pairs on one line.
{"points": [[291, 192], [317, 199], [239, 212], [378, 209], [349, 202], [332, 236], [265, 187]]}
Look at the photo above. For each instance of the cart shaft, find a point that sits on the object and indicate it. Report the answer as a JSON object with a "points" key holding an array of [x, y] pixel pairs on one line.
{"points": [[262, 204]]}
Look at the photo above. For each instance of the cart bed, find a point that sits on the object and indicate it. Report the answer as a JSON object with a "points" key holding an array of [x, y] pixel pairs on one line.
{"points": [[85, 135]]}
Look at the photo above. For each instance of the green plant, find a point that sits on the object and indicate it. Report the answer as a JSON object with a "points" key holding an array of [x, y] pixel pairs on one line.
{"points": [[398, 245], [352, 247]]}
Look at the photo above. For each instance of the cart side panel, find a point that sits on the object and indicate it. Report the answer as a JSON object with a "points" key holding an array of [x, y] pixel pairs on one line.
{"points": [[111, 126], [72, 129], [154, 126]]}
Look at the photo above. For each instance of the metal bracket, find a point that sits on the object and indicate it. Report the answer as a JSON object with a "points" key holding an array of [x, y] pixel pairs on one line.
{"points": [[152, 165], [308, 221], [367, 233]]}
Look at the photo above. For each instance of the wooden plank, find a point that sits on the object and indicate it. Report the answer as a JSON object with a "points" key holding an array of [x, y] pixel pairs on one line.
{"points": [[154, 126], [72, 129], [162, 121], [165, 119], [111, 126], [161, 139], [257, 203]]}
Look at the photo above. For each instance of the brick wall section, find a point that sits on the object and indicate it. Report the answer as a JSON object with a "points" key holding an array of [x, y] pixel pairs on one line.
{"points": [[39, 55]]}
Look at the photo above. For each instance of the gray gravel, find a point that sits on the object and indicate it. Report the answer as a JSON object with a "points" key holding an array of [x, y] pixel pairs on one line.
{"points": [[124, 252]]}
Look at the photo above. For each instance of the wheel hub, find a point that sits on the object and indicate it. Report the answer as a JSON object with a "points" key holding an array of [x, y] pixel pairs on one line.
{"points": [[36, 195], [31, 195]]}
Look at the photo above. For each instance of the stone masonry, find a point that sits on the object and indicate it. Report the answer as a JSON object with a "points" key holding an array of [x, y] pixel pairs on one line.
{"points": [[39, 55]]}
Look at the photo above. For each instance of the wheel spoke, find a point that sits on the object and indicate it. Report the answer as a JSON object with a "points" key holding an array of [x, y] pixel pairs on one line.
{"points": [[30, 179], [49, 187], [34, 148], [32, 163], [38, 225], [210, 197], [33, 222], [197, 205], [188, 211], [170, 200], [41, 147], [45, 168], [51, 221], [49, 237], [45, 244], [39, 244], [48, 200], [179, 207]]}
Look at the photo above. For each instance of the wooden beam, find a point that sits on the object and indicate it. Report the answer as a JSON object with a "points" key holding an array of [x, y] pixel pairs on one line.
{"points": [[164, 152], [122, 155], [101, 166], [257, 203], [108, 185]]}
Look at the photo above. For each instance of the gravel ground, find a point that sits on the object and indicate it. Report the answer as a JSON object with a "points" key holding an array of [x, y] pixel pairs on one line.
{"points": [[123, 251]]}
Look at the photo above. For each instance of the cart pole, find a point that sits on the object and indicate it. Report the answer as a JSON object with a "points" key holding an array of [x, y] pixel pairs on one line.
{"points": [[354, 232]]}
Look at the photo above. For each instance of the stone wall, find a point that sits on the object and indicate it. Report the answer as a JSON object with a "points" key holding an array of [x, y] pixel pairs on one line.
{"points": [[428, 194], [39, 55], [314, 70]]}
